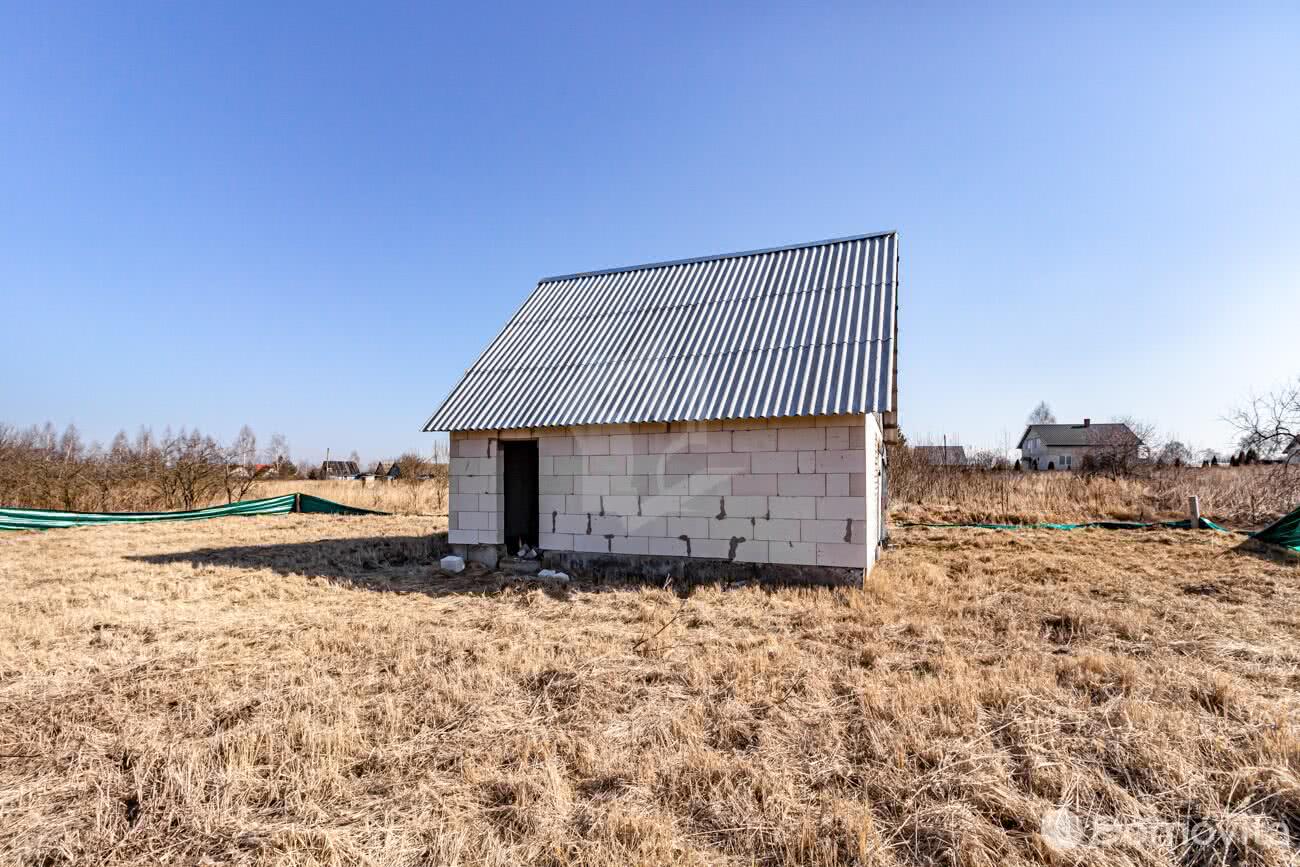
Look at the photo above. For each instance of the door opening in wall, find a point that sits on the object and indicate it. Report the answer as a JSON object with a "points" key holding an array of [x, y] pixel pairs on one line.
{"points": [[520, 493]]}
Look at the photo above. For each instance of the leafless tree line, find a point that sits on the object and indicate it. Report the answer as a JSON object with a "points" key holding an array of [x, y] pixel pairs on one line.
{"points": [[44, 468]]}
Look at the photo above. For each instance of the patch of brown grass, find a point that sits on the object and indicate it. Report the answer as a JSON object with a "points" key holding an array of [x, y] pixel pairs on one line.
{"points": [[304, 690], [398, 498], [1243, 497]]}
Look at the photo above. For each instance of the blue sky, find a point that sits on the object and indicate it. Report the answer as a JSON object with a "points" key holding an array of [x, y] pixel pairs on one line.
{"points": [[310, 218]]}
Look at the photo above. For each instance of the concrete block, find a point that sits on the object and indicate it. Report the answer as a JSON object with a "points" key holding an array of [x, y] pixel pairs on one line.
{"points": [[491, 537], [792, 507], [658, 506], [639, 525], [629, 485], [667, 547], [752, 551], [473, 521], [646, 465], [704, 507], [569, 465], [696, 528], [837, 484], [837, 438], [677, 484], [790, 439], [710, 441], [749, 485], [627, 444], [807, 462], [571, 523], [463, 466], [555, 484], [608, 525], [621, 505], [745, 507], [491, 502], [463, 502], [581, 504], [718, 548], [832, 554], [777, 529], [591, 544], [716, 485], [554, 446], [857, 437], [608, 465], [846, 461], [545, 465], [591, 484], [774, 462], [801, 553], [548, 503], [462, 537], [687, 464], [842, 507], [753, 441], [555, 541], [629, 545], [668, 443], [797, 485], [729, 463], [825, 530], [857, 484], [591, 444], [726, 528]]}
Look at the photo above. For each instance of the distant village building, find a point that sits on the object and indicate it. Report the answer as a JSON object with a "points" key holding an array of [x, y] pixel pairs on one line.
{"points": [[394, 471], [1066, 446], [688, 418], [942, 456], [1291, 454], [339, 470]]}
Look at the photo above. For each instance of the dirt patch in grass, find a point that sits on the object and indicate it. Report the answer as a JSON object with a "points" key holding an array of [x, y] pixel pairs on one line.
{"points": [[304, 689]]}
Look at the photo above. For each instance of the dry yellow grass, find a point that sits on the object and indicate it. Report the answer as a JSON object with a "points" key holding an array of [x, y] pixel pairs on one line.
{"points": [[304, 690], [399, 498]]}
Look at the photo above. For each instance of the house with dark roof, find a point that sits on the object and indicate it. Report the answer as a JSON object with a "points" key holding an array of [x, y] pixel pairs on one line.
{"points": [[942, 456], [698, 418], [1291, 454], [1065, 446], [338, 470]]}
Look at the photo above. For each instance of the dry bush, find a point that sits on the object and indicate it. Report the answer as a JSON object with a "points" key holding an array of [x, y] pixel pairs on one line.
{"points": [[304, 690], [1236, 496]]}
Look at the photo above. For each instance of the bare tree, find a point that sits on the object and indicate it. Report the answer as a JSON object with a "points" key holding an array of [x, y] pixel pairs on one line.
{"points": [[1041, 414], [1119, 448], [241, 470], [1271, 423]]}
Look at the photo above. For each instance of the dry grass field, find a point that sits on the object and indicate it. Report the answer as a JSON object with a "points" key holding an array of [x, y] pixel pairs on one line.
{"points": [[307, 690], [400, 498]]}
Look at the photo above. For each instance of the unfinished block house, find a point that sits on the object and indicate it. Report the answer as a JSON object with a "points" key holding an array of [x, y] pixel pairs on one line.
{"points": [[704, 418]]}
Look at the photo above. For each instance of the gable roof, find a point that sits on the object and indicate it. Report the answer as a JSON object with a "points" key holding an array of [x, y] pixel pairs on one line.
{"points": [[1110, 433], [801, 330], [1293, 447], [340, 468]]}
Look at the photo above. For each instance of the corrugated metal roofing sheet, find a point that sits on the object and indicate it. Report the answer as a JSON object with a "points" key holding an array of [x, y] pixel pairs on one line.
{"points": [[800, 330]]}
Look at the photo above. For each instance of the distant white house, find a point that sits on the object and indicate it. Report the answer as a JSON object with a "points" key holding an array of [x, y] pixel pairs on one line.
{"points": [[1291, 454], [1064, 446]]}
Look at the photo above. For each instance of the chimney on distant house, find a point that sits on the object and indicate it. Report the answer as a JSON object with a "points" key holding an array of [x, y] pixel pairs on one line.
{"points": [[1087, 422]]}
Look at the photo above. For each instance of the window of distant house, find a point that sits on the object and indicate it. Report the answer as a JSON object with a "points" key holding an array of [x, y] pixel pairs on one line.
{"points": [[1065, 460]]}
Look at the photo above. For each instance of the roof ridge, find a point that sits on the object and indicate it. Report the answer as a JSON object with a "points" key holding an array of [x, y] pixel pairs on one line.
{"points": [[717, 256]]}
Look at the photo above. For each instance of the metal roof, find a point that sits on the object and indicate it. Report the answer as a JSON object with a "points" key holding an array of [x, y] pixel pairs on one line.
{"points": [[806, 329], [1110, 433]]}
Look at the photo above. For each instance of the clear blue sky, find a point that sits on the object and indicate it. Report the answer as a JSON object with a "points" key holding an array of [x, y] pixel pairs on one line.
{"points": [[311, 218]]}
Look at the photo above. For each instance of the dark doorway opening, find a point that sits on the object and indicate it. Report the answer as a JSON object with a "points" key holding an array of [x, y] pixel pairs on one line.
{"points": [[521, 493]]}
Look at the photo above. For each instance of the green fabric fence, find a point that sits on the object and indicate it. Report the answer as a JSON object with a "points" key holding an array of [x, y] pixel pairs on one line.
{"points": [[50, 519]]}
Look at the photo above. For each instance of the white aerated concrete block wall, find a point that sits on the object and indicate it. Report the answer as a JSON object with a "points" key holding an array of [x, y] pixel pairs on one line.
{"points": [[799, 491]]}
